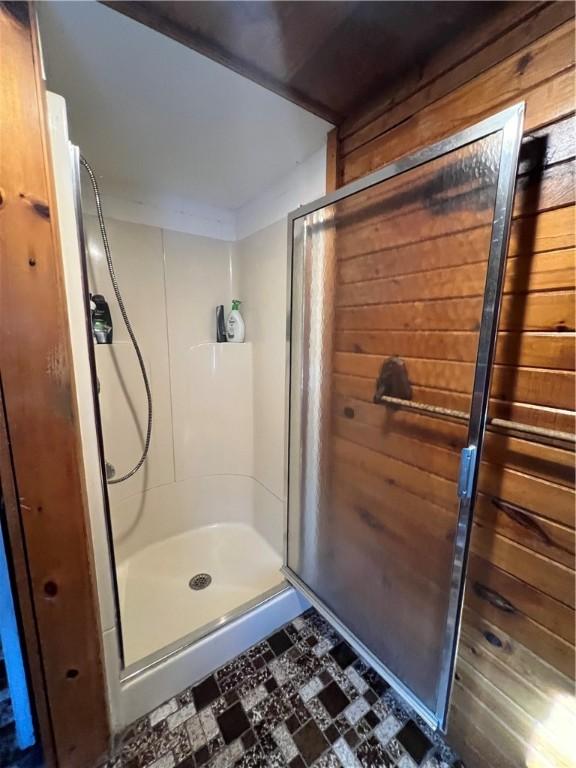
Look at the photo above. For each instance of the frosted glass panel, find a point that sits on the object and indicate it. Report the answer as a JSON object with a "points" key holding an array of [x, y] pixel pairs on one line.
{"points": [[394, 272]]}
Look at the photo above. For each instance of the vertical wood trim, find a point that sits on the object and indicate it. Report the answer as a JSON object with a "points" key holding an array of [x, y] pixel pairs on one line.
{"points": [[39, 396], [333, 180]]}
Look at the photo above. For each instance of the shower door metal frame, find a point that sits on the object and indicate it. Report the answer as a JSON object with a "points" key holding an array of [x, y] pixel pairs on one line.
{"points": [[509, 123], [74, 152]]}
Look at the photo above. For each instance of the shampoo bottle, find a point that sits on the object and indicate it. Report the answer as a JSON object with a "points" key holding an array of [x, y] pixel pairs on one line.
{"points": [[235, 329]]}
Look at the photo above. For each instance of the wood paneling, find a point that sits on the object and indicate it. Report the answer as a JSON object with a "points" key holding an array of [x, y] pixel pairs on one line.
{"points": [[538, 350], [409, 284], [540, 74], [522, 682], [551, 311], [549, 418], [528, 385], [517, 720], [437, 470], [523, 602], [39, 401], [504, 639], [539, 460], [546, 271], [497, 39]]}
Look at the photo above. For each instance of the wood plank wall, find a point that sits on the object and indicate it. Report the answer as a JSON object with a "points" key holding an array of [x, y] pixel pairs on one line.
{"points": [[515, 670]]}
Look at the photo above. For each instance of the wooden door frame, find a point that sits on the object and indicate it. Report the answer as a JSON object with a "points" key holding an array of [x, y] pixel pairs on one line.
{"points": [[41, 449]]}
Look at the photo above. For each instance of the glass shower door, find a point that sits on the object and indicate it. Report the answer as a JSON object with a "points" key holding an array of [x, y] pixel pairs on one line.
{"points": [[396, 286]]}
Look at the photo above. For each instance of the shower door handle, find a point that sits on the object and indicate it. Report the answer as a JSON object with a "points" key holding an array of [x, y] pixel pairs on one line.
{"points": [[466, 472]]}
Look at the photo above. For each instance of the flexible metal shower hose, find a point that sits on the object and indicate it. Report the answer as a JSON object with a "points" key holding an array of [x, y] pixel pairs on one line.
{"points": [[124, 314]]}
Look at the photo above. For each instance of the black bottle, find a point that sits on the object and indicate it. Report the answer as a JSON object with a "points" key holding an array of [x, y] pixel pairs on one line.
{"points": [[101, 319], [220, 324]]}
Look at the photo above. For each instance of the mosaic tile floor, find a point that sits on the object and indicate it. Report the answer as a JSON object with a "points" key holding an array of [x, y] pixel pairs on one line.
{"points": [[300, 698]]}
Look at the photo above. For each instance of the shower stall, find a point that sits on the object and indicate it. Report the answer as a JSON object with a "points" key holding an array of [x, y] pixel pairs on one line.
{"points": [[191, 431], [187, 487], [200, 534], [197, 539]]}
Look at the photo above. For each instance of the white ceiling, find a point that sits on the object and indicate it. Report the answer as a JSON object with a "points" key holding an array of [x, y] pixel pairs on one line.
{"points": [[161, 122]]}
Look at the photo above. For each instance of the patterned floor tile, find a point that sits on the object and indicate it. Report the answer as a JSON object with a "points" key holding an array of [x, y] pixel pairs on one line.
{"points": [[300, 699], [416, 743]]}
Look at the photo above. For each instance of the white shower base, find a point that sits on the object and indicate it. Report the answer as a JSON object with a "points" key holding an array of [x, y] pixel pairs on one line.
{"points": [[157, 606]]}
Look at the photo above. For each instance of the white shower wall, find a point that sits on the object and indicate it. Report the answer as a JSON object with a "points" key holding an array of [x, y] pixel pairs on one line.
{"points": [[201, 469], [218, 445], [219, 436], [262, 274]]}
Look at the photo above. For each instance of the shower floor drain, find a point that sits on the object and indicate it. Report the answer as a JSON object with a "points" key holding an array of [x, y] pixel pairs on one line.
{"points": [[200, 581]]}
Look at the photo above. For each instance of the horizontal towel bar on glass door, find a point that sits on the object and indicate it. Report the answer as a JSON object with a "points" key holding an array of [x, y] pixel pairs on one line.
{"points": [[537, 434]]}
